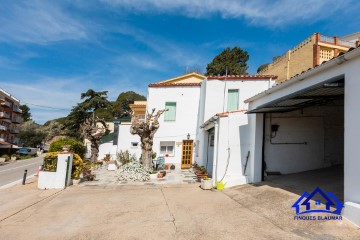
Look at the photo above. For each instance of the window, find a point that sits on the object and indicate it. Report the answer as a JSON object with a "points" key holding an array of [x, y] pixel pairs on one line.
{"points": [[167, 148], [134, 144], [233, 99], [170, 114]]}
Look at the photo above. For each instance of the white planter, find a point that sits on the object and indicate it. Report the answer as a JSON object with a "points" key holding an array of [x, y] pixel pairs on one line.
{"points": [[76, 181], [2, 160], [206, 184], [13, 158], [111, 167]]}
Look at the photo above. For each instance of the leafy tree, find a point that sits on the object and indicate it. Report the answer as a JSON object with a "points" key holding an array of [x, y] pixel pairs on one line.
{"points": [[121, 105], [26, 115], [58, 120], [52, 129], [31, 134], [233, 61], [261, 67], [82, 111], [104, 113], [95, 100]]}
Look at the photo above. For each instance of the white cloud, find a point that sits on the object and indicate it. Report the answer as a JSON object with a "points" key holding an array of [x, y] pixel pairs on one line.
{"points": [[175, 53], [258, 12], [38, 22]]}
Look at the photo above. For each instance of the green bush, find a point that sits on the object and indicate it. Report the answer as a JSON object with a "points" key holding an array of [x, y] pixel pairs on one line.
{"points": [[124, 157], [75, 146]]}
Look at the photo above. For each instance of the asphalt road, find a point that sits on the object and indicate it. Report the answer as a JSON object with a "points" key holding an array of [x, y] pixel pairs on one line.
{"points": [[10, 172]]}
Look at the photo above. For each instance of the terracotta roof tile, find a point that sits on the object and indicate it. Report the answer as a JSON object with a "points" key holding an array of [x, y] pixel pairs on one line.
{"points": [[243, 77], [174, 85], [226, 114]]}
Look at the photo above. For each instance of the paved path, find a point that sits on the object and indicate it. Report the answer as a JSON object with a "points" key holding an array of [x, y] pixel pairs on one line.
{"points": [[14, 171], [158, 212]]}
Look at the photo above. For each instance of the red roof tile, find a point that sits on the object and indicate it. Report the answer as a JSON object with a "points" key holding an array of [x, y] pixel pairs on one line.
{"points": [[174, 85], [243, 77], [226, 114]]}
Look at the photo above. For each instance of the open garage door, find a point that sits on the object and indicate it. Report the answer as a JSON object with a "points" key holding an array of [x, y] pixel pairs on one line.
{"points": [[303, 141]]}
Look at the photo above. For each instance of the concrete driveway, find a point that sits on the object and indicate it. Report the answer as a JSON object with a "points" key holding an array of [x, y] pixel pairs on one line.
{"points": [[158, 212]]}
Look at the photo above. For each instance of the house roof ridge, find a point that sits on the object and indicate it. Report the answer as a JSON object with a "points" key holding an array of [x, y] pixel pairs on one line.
{"points": [[173, 84], [242, 77]]}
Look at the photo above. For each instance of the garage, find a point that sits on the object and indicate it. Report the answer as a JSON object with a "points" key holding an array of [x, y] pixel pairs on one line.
{"points": [[304, 130]]}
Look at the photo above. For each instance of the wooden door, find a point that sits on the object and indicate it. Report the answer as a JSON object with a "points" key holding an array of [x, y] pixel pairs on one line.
{"points": [[187, 153]]}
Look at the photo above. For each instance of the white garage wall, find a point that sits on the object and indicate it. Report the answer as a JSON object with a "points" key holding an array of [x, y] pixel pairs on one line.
{"points": [[320, 127]]}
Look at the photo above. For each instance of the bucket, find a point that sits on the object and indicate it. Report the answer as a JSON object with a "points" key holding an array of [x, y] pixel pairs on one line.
{"points": [[220, 185]]}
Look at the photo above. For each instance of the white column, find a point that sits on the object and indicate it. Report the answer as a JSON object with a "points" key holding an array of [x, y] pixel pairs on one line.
{"points": [[256, 136], [351, 148]]}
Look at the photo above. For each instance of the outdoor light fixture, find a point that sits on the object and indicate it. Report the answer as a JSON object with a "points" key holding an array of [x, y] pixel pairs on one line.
{"points": [[188, 136]]}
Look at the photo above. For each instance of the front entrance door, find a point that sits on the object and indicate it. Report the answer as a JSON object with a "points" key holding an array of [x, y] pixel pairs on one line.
{"points": [[187, 152]]}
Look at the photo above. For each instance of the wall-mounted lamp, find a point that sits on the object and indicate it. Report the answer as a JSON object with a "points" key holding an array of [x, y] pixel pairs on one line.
{"points": [[188, 136]]}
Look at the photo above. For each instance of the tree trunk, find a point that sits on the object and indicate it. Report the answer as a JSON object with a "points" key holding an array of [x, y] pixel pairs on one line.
{"points": [[94, 151]]}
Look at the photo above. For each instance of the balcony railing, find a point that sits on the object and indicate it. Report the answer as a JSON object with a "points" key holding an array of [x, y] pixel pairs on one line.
{"points": [[3, 128], [348, 44], [17, 110], [6, 104], [327, 39], [17, 120], [15, 141], [331, 40], [4, 115]]}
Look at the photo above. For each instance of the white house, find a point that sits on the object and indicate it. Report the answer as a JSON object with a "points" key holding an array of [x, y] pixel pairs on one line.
{"points": [[176, 135], [311, 121], [222, 141]]}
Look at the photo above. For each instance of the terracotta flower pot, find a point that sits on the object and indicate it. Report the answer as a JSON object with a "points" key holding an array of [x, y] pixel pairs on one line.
{"points": [[201, 176]]}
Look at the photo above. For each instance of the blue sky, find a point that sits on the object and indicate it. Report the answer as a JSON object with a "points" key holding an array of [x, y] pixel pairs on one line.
{"points": [[52, 51]]}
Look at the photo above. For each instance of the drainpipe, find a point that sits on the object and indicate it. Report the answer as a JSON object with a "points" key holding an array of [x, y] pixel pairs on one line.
{"points": [[216, 150]]}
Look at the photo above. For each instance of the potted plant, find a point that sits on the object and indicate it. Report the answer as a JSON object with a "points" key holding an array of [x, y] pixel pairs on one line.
{"points": [[206, 183], [201, 173]]}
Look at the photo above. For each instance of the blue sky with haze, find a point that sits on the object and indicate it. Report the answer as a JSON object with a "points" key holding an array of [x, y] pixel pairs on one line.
{"points": [[52, 51]]}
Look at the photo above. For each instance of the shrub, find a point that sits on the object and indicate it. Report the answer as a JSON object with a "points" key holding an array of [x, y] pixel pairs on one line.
{"points": [[75, 146], [7, 158], [125, 157], [77, 164]]}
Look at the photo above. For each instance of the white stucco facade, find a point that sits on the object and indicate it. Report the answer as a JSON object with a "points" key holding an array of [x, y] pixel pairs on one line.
{"points": [[223, 138], [172, 133], [127, 141]]}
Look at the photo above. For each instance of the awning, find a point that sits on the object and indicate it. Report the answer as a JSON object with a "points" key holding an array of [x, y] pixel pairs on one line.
{"points": [[319, 94]]}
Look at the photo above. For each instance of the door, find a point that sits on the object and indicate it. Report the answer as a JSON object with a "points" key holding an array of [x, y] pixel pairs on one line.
{"points": [[187, 153]]}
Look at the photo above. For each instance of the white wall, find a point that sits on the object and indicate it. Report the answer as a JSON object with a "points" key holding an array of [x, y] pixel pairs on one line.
{"points": [[107, 148], [321, 127], [125, 138], [232, 147], [352, 133], [236, 127], [187, 107]]}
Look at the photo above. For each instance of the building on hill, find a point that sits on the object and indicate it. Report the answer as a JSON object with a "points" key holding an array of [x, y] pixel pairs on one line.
{"points": [[10, 118], [311, 52]]}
